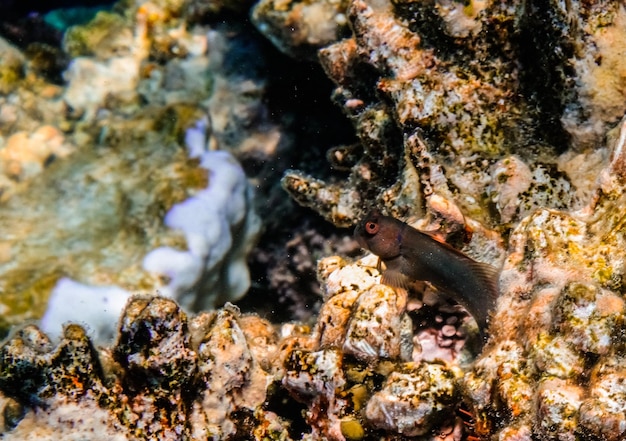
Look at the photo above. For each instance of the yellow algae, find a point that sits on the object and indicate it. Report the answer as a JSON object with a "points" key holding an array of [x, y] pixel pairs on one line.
{"points": [[352, 429], [23, 293]]}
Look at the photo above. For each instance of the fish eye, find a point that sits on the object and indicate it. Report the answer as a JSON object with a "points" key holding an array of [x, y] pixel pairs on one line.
{"points": [[371, 227]]}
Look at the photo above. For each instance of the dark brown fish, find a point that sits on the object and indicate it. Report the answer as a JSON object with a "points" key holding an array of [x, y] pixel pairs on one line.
{"points": [[410, 255]]}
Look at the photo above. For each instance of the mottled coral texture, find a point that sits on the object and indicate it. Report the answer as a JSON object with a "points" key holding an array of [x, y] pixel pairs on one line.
{"points": [[552, 369], [100, 197], [165, 377], [502, 112], [495, 125], [484, 104]]}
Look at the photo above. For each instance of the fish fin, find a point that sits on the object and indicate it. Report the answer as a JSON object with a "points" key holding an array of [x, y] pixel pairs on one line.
{"points": [[435, 235], [396, 279], [490, 276]]}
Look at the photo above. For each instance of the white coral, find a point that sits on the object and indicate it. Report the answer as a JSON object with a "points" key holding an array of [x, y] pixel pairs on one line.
{"points": [[220, 229]]}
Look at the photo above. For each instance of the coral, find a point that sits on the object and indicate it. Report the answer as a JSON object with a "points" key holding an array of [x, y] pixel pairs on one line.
{"points": [[552, 368], [25, 155], [589, 65], [98, 307], [80, 202], [299, 28], [105, 36], [457, 92], [101, 159], [109, 65], [396, 408], [218, 227], [363, 368], [489, 124], [166, 377], [458, 127], [559, 321], [214, 375]]}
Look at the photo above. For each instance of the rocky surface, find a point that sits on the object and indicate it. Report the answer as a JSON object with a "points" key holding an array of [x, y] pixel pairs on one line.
{"points": [[445, 100], [497, 127], [455, 128], [164, 378], [559, 323], [115, 159]]}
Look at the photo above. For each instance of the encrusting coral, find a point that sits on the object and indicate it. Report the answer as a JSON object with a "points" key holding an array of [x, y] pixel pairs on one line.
{"points": [[552, 368], [441, 96], [217, 374], [164, 378], [457, 134], [445, 100]]}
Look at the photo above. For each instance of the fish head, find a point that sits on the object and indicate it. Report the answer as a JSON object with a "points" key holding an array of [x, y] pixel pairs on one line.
{"points": [[379, 234]]}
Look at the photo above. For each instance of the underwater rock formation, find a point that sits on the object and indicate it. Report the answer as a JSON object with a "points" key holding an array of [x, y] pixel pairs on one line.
{"points": [[101, 159], [497, 109], [552, 366], [301, 28], [481, 122], [219, 229], [220, 374], [440, 95], [166, 377], [363, 370]]}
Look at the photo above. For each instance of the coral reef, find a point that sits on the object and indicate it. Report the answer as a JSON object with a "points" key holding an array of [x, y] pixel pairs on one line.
{"points": [[219, 229], [493, 125], [165, 378], [300, 28], [220, 374], [559, 323], [454, 87], [88, 224], [101, 160], [455, 128]]}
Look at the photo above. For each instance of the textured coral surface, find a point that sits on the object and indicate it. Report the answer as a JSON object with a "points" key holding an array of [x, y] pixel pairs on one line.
{"points": [[494, 112], [552, 366], [98, 175], [165, 377], [496, 126]]}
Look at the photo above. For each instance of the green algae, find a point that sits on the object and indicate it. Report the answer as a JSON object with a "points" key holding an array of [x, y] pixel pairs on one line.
{"points": [[63, 19]]}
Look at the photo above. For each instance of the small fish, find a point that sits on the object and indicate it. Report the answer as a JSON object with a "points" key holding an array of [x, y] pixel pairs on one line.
{"points": [[410, 255]]}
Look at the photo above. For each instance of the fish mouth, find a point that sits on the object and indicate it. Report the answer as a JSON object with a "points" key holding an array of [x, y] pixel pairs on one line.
{"points": [[358, 236], [362, 243]]}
